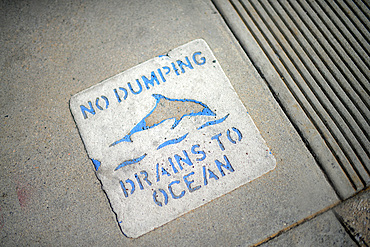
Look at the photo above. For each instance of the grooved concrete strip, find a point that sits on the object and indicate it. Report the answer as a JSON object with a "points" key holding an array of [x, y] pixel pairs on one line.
{"points": [[318, 69]]}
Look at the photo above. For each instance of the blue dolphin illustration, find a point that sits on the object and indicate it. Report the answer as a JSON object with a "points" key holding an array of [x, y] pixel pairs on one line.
{"points": [[165, 109]]}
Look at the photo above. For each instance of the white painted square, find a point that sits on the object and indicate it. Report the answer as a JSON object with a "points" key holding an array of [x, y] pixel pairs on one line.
{"points": [[168, 136]]}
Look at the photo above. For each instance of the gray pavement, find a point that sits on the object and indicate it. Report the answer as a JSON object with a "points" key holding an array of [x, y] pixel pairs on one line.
{"points": [[323, 230], [347, 224], [50, 195], [354, 215]]}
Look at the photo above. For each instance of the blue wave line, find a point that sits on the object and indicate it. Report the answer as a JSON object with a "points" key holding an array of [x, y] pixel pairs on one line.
{"points": [[173, 141], [213, 122], [130, 162]]}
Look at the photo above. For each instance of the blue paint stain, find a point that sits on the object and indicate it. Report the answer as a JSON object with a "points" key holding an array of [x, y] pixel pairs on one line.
{"points": [[147, 82], [146, 177], [198, 152], [205, 176], [188, 183], [118, 97], [142, 125], [217, 137], [203, 59], [227, 166], [240, 136], [139, 182], [84, 109], [181, 64], [138, 84], [175, 69], [173, 141], [130, 162], [229, 137], [171, 191], [173, 165], [129, 181], [167, 68], [157, 171], [106, 103], [96, 164], [165, 197], [123, 188], [213, 122], [212, 175], [161, 75], [165, 172]]}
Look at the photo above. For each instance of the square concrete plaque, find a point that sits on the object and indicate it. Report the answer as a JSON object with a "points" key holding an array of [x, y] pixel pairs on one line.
{"points": [[168, 136]]}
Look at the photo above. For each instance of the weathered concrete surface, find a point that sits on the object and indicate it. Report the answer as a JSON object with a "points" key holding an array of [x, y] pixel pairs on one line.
{"points": [[324, 230], [355, 215], [183, 139], [49, 192]]}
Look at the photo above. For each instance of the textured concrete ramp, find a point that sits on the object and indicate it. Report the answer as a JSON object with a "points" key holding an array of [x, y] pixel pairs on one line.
{"points": [[314, 55]]}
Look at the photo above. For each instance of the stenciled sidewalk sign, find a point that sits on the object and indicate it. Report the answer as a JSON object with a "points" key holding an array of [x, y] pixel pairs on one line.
{"points": [[168, 136]]}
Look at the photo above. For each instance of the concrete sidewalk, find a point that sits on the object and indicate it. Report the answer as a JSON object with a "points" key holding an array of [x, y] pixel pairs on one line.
{"points": [[50, 195], [347, 224]]}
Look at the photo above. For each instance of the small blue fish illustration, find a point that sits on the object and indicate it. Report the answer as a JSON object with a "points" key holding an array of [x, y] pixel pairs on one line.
{"points": [[165, 109]]}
